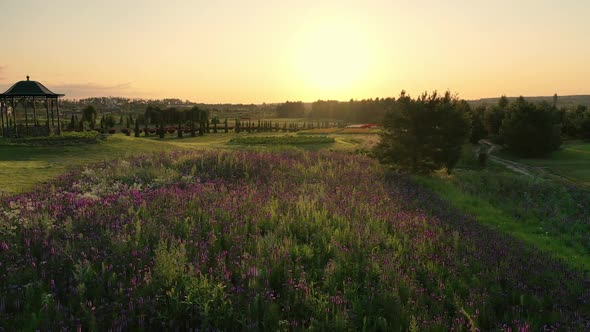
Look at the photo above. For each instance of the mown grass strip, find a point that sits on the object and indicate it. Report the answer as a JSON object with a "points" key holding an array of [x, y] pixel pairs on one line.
{"points": [[526, 229]]}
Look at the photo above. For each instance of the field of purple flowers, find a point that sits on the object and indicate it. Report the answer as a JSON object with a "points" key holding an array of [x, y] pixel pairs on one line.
{"points": [[266, 241]]}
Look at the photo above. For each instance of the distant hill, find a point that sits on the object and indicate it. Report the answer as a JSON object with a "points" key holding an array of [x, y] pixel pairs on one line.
{"points": [[562, 101]]}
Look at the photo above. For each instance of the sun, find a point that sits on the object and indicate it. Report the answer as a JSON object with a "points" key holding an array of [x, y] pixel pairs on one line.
{"points": [[334, 57]]}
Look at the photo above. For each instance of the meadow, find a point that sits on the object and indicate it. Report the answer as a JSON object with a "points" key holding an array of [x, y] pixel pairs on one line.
{"points": [[571, 162], [270, 241], [127, 235]]}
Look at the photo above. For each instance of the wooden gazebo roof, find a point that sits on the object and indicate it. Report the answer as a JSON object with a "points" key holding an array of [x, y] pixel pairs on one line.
{"points": [[29, 88]]}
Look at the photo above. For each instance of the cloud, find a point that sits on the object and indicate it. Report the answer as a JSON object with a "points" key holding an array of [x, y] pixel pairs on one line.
{"points": [[85, 90]]}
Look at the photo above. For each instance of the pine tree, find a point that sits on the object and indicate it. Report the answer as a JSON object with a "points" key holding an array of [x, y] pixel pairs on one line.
{"points": [[161, 130], [179, 131], [425, 134]]}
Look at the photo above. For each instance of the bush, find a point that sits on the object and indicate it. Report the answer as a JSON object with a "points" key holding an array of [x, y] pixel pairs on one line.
{"points": [[66, 138], [531, 130], [425, 134]]}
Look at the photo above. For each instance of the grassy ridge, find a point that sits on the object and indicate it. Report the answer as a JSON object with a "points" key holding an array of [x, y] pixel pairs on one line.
{"points": [[549, 216]]}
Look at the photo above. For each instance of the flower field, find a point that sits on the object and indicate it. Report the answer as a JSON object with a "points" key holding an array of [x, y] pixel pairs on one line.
{"points": [[266, 241]]}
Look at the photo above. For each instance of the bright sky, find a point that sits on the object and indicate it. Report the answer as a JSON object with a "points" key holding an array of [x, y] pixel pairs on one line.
{"points": [[270, 51]]}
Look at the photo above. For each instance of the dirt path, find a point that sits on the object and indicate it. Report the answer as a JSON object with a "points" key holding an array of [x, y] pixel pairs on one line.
{"points": [[511, 165]]}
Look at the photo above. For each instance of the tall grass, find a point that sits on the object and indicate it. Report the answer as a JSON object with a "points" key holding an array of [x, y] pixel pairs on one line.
{"points": [[262, 241]]}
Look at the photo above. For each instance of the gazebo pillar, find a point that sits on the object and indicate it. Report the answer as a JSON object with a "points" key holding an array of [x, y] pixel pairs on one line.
{"points": [[26, 116], [14, 117], [2, 118], [52, 118], [47, 111], [34, 113], [58, 120]]}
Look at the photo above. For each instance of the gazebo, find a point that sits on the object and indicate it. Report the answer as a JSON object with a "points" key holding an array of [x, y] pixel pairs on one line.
{"points": [[28, 94]]}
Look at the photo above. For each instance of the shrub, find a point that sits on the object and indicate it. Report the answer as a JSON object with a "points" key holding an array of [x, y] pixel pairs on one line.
{"points": [[66, 138]]}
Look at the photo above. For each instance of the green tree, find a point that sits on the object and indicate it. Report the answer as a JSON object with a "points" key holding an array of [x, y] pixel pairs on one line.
{"points": [[192, 121], [161, 130], [136, 128], [109, 121], [478, 130], [493, 117], [73, 122], [289, 109], [215, 121], [180, 119], [573, 121], [531, 129], [89, 115], [584, 127], [424, 134]]}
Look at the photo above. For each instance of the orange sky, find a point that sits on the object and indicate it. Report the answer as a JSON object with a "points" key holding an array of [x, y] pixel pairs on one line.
{"points": [[271, 51]]}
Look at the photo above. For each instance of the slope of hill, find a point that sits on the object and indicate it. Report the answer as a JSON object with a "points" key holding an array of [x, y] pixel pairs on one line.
{"points": [[562, 101]]}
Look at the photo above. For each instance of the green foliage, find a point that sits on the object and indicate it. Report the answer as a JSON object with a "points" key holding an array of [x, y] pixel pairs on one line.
{"points": [[531, 129], [282, 140], [180, 117], [215, 121], [294, 109], [425, 134], [170, 261], [478, 130], [66, 138], [109, 121], [89, 115], [136, 128], [576, 122], [493, 117]]}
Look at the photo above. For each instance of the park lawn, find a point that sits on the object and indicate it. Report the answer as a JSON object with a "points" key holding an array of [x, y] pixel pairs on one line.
{"points": [[22, 167], [501, 217], [572, 162]]}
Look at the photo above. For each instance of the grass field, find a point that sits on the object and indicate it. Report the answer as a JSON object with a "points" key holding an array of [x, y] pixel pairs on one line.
{"points": [[546, 215], [572, 162], [248, 240], [21, 167], [304, 206]]}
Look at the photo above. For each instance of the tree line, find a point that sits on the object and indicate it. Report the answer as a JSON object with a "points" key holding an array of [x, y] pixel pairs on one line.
{"points": [[427, 133]]}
